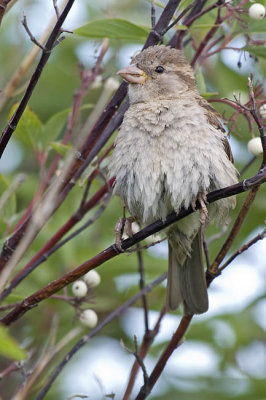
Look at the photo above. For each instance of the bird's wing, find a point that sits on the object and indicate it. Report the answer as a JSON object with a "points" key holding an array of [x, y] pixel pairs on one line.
{"points": [[213, 118]]}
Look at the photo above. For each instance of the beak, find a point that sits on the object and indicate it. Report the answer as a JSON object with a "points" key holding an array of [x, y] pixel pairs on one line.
{"points": [[133, 74]]}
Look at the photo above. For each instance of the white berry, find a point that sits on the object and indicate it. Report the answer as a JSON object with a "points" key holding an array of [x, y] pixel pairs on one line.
{"points": [[79, 289], [262, 111], [111, 84], [255, 146], [92, 278], [256, 11], [97, 83], [89, 318]]}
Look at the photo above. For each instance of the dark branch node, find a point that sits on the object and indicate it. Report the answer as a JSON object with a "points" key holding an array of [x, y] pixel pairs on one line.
{"points": [[58, 41], [157, 34], [12, 126]]}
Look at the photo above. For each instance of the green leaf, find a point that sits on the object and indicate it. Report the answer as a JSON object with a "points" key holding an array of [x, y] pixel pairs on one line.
{"points": [[259, 51], [183, 4], [181, 27], [9, 208], [60, 148], [257, 26], [157, 3], [29, 127], [113, 28], [54, 126], [202, 26], [208, 95], [9, 347]]}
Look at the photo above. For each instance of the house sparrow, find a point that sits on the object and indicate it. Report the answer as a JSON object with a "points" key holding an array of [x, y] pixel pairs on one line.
{"points": [[170, 151]]}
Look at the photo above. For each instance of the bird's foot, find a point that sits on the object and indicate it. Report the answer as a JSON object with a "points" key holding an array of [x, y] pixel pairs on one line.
{"points": [[123, 224], [202, 199]]}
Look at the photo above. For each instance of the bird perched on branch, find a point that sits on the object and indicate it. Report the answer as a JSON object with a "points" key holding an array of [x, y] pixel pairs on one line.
{"points": [[170, 151]]}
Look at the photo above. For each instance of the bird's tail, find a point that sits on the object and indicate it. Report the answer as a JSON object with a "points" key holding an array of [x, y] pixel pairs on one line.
{"points": [[186, 281]]}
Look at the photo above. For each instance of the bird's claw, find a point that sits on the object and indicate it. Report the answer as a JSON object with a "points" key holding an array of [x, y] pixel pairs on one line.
{"points": [[202, 199], [121, 225]]}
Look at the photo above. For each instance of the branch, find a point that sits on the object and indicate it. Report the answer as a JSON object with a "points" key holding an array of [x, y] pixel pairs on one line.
{"points": [[254, 114], [25, 65], [87, 337], [208, 36], [87, 78], [11, 126], [153, 15], [146, 343], [3, 5], [53, 244], [112, 251], [195, 13], [99, 135], [32, 38], [139, 359], [173, 344], [180, 16], [245, 247], [234, 231]]}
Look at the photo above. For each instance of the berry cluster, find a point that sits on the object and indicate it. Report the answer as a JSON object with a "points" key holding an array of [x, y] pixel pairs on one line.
{"points": [[80, 289]]}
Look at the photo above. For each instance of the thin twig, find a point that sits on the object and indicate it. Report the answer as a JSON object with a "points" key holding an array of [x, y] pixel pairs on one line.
{"points": [[208, 36], [14, 366], [19, 179], [53, 197], [98, 136], [246, 167], [43, 362], [171, 347], [112, 251], [180, 16], [12, 124], [53, 244], [138, 358], [234, 231], [32, 37], [9, 306], [245, 247], [252, 110], [147, 246], [194, 14], [146, 344], [153, 15], [56, 8], [87, 78], [3, 6], [92, 333], [25, 65], [218, 235]]}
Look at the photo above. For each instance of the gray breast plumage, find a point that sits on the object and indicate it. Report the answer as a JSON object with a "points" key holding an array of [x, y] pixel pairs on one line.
{"points": [[165, 153]]}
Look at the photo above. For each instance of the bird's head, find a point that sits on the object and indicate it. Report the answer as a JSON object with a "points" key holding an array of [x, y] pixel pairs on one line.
{"points": [[158, 72]]}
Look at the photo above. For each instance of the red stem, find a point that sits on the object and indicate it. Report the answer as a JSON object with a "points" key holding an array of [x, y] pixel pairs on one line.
{"points": [[173, 344], [73, 220]]}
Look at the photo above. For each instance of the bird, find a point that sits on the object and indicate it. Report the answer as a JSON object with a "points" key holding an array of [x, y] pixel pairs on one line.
{"points": [[170, 151]]}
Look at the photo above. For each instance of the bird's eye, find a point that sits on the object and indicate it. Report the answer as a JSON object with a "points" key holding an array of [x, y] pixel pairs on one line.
{"points": [[159, 69]]}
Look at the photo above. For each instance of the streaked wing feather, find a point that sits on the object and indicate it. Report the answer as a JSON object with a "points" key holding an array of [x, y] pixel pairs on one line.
{"points": [[213, 118]]}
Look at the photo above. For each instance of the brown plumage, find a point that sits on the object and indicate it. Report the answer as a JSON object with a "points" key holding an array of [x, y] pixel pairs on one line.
{"points": [[170, 151]]}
